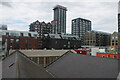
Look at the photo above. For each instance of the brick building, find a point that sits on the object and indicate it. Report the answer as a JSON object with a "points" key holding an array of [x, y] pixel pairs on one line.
{"points": [[41, 28], [114, 39], [61, 41], [97, 38], [18, 40]]}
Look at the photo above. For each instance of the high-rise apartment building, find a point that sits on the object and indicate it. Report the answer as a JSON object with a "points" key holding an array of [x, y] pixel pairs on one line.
{"points": [[60, 19], [80, 26]]}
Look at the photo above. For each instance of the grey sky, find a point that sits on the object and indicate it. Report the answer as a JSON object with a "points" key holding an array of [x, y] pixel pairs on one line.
{"points": [[18, 14]]}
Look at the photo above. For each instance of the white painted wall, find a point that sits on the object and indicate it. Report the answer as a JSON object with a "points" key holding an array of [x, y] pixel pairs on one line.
{"points": [[94, 50], [101, 50]]}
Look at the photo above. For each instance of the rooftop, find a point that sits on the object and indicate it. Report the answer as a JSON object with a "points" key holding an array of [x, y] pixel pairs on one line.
{"points": [[82, 19], [17, 33], [100, 32], [59, 6], [42, 53], [69, 65], [83, 66], [63, 36], [17, 65]]}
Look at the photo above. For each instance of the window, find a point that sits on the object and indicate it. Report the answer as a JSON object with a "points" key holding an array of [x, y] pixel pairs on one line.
{"points": [[41, 60], [7, 34], [112, 43], [30, 46], [68, 42], [29, 34], [47, 60], [115, 57], [112, 37], [25, 34], [116, 37], [64, 46], [55, 42], [34, 35], [35, 59], [21, 34], [17, 40], [108, 56], [11, 41]]}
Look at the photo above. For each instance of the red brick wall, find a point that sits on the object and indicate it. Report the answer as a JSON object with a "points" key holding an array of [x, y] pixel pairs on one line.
{"points": [[24, 42]]}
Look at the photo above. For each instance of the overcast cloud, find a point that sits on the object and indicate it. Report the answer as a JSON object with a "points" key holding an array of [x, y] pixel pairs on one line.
{"points": [[18, 14]]}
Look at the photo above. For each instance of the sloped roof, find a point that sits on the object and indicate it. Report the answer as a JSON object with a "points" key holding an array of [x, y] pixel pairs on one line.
{"points": [[73, 65], [118, 78], [18, 65], [40, 53]]}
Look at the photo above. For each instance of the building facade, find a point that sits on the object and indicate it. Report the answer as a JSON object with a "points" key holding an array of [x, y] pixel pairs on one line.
{"points": [[80, 26], [114, 48], [59, 19], [17, 40], [61, 41], [41, 28], [96, 38], [114, 39]]}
